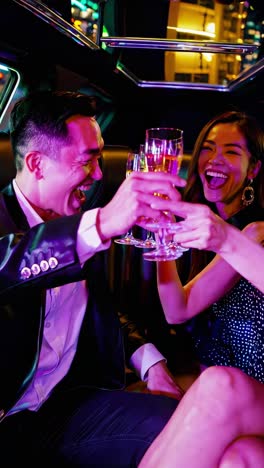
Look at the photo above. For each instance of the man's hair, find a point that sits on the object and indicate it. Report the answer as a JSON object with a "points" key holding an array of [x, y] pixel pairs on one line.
{"points": [[37, 121]]}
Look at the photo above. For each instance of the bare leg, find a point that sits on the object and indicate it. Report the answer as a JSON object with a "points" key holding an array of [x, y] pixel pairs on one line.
{"points": [[246, 452], [222, 404]]}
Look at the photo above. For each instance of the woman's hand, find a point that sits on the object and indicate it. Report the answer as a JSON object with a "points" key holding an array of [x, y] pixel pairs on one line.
{"points": [[255, 231], [201, 229]]}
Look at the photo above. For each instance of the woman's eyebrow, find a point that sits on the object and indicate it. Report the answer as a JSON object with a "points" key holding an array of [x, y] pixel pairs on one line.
{"points": [[211, 142], [91, 152], [237, 145]]}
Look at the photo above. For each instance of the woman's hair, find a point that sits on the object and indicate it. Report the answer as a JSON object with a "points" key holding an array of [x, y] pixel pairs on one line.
{"points": [[37, 121], [254, 135]]}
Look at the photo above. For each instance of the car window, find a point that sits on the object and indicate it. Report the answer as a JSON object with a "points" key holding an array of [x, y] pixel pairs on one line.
{"points": [[9, 81], [186, 44]]}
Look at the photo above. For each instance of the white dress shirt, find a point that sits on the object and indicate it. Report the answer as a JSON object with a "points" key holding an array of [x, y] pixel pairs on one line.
{"points": [[65, 309]]}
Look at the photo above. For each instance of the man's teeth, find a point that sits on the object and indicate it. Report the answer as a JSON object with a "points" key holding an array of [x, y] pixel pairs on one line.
{"points": [[216, 174]]}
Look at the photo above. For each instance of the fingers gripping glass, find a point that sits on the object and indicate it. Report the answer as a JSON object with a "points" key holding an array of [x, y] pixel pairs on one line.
{"points": [[164, 152]]}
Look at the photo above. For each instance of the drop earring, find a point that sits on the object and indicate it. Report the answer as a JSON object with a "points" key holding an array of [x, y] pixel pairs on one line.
{"points": [[248, 194]]}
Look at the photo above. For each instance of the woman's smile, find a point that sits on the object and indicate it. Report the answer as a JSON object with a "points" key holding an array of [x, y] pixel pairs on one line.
{"points": [[215, 179]]}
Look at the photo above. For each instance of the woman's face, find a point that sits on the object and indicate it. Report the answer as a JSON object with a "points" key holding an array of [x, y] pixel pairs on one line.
{"points": [[223, 167]]}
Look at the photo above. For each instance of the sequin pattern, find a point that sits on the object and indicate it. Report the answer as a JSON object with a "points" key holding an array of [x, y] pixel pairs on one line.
{"points": [[235, 333]]}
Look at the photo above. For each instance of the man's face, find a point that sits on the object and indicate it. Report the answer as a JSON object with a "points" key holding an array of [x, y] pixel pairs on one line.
{"points": [[65, 179]]}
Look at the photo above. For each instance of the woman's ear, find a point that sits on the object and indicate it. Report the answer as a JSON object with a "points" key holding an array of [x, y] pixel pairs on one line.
{"points": [[254, 170], [33, 161]]}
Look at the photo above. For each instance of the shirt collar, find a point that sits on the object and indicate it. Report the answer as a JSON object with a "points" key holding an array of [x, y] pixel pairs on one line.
{"points": [[32, 216]]}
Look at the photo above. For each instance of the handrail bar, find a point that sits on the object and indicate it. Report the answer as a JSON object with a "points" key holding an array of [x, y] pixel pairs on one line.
{"points": [[244, 77], [247, 75], [167, 84], [179, 45], [49, 16]]}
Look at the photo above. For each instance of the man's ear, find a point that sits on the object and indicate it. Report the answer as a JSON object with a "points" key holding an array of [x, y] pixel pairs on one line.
{"points": [[254, 170], [33, 161]]}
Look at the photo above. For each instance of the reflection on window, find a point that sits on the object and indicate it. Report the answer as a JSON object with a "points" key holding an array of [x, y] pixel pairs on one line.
{"points": [[4, 77], [205, 3], [9, 81], [211, 21], [85, 18]]}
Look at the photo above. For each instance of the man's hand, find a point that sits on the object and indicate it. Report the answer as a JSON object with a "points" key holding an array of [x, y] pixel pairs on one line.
{"points": [[161, 381], [133, 201]]}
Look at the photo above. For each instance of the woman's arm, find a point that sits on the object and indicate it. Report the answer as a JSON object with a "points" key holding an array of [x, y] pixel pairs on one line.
{"points": [[241, 250], [205, 230], [245, 254], [180, 303]]}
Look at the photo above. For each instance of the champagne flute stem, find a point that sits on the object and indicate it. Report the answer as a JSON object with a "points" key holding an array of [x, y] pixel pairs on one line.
{"points": [[149, 235], [162, 238], [129, 233]]}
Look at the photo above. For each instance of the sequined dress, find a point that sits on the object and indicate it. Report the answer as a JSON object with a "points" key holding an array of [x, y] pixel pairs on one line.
{"points": [[235, 333], [231, 332]]}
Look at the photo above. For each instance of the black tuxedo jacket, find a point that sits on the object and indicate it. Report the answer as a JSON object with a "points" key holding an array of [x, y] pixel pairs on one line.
{"points": [[22, 303]]}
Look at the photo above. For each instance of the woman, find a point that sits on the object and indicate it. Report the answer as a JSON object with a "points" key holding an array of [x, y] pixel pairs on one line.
{"points": [[219, 422], [226, 173]]}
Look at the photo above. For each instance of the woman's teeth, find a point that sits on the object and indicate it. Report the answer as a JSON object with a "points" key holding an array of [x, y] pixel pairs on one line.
{"points": [[215, 179]]}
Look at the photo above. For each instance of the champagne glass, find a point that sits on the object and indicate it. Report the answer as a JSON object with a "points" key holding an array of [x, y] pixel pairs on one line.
{"points": [[149, 242], [132, 164], [164, 152]]}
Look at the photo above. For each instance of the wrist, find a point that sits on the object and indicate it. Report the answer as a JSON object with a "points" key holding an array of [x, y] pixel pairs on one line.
{"points": [[156, 369], [231, 241], [101, 225], [226, 245]]}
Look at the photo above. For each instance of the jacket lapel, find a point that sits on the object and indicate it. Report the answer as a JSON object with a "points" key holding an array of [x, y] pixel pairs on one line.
{"points": [[9, 204]]}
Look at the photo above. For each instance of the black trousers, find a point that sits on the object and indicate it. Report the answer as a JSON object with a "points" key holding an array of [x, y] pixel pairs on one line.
{"points": [[84, 427], [80, 426]]}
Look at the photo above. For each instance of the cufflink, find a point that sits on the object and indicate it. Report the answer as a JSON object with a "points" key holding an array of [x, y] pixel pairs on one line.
{"points": [[25, 273], [53, 262], [35, 269], [44, 265]]}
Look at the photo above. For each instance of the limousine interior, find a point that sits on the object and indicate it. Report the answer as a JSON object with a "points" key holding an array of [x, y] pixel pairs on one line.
{"points": [[151, 63]]}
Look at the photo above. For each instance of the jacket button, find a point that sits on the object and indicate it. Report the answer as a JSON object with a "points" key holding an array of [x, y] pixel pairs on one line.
{"points": [[44, 265], [53, 262], [35, 269], [25, 273]]}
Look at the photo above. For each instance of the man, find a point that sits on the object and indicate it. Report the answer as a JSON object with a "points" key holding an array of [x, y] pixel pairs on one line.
{"points": [[61, 347], [62, 339]]}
